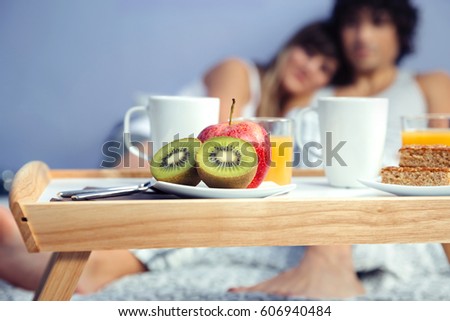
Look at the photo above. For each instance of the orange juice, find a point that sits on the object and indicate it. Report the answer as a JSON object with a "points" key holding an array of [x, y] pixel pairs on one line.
{"points": [[426, 137], [280, 170]]}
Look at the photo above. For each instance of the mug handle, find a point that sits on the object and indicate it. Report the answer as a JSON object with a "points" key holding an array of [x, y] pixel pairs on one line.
{"points": [[298, 132], [127, 134]]}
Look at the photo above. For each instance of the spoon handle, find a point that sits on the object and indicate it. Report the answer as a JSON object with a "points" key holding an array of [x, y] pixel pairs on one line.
{"points": [[68, 194], [105, 193]]}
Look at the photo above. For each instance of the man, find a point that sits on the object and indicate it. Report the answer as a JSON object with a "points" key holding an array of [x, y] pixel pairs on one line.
{"points": [[375, 35]]}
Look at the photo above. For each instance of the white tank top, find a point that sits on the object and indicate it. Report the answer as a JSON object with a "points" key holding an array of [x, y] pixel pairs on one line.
{"points": [[405, 98]]}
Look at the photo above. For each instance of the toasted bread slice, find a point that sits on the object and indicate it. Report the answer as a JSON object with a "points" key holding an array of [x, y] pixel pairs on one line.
{"points": [[425, 156], [416, 176]]}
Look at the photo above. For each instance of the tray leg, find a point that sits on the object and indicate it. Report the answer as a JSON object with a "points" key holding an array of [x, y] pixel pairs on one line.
{"points": [[61, 277], [446, 247]]}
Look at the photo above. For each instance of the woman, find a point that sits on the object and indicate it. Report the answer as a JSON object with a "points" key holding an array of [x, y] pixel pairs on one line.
{"points": [[307, 62], [304, 64]]}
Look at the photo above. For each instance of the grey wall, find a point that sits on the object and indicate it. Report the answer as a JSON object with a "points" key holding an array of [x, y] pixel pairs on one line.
{"points": [[70, 69]]}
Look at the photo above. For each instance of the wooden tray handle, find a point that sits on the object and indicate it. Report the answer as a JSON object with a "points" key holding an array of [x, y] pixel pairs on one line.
{"points": [[29, 183]]}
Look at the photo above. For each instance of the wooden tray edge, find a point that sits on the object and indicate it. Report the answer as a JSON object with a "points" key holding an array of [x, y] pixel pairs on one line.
{"points": [[29, 183]]}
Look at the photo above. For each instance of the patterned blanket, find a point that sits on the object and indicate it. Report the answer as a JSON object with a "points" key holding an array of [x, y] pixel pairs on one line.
{"points": [[389, 272]]}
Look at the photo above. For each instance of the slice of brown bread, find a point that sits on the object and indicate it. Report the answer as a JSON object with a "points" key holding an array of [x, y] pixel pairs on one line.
{"points": [[416, 176], [425, 156]]}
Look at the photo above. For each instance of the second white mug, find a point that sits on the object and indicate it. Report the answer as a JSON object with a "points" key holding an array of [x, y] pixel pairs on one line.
{"points": [[352, 134]]}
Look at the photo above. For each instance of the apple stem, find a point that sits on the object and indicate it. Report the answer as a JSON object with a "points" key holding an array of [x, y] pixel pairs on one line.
{"points": [[231, 111]]}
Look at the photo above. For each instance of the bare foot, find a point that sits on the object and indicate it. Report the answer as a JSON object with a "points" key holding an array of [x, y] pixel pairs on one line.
{"points": [[322, 274], [17, 266]]}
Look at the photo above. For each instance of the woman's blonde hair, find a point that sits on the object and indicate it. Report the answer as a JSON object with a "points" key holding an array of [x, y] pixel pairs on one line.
{"points": [[271, 104], [315, 38]]}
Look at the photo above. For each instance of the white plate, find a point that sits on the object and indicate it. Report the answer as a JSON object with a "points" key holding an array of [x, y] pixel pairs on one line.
{"points": [[202, 191], [405, 190]]}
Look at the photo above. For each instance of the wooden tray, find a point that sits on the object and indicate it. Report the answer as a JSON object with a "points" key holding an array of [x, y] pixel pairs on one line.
{"points": [[74, 229]]}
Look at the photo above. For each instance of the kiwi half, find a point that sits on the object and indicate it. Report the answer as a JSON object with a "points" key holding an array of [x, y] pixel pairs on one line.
{"points": [[175, 162], [226, 162]]}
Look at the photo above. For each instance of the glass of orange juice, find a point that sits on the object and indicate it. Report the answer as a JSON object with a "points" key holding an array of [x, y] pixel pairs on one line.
{"points": [[281, 133], [426, 129]]}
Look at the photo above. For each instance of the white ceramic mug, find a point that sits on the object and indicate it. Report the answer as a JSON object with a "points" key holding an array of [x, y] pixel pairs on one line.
{"points": [[352, 135], [173, 117]]}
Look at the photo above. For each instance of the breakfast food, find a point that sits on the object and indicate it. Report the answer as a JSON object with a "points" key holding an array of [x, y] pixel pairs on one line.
{"points": [[420, 165], [224, 156], [249, 132], [425, 156], [416, 176], [227, 162], [175, 162]]}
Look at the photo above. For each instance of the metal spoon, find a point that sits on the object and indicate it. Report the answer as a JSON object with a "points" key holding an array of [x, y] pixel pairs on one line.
{"points": [[116, 192], [86, 194]]}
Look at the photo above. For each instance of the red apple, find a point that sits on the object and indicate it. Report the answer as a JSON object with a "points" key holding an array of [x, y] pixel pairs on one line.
{"points": [[250, 132]]}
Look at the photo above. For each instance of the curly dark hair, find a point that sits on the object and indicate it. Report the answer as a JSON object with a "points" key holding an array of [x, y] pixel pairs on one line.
{"points": [[404, 16]]}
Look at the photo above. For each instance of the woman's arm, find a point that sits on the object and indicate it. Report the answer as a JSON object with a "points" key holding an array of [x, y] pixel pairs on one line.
{"points": [[436, 88], [227, 80]]}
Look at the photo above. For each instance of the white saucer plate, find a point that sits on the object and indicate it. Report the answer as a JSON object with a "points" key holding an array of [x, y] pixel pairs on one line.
{"points": [[405, 190], [266, 189]]}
